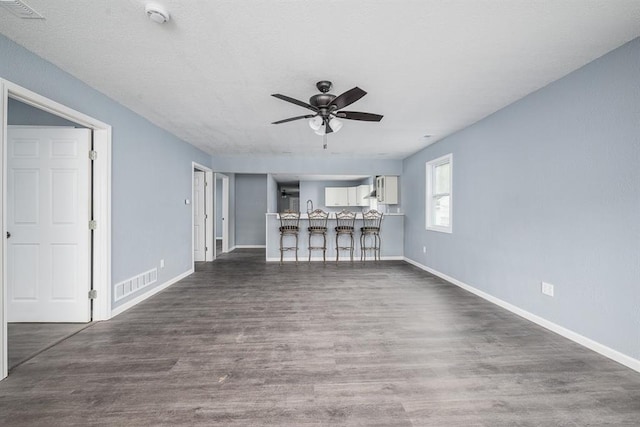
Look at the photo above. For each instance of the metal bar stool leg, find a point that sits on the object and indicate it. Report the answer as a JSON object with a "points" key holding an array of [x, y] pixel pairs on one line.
{"points": [[281, 248], [352, 245], [324, 247]]}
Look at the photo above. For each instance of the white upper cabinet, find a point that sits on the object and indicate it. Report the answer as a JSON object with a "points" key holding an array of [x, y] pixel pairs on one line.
{"points": [[362, 195], [347, 196], [336, 196], [352, 196], [387, 189]]}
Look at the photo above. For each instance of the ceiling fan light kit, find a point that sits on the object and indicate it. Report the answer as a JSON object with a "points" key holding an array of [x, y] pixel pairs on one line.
{"points": [[335, 124], [326, 107], [315, 123]]}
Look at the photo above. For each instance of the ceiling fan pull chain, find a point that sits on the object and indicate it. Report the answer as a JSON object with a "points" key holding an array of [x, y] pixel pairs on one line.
{"points": [[325, 141]]}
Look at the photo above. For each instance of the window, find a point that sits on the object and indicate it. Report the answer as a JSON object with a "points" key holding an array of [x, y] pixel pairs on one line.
{"points": [[439, 194]]}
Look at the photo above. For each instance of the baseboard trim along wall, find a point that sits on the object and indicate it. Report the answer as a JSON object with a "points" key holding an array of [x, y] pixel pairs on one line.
{"points": [[612, 354], [126, 306]]}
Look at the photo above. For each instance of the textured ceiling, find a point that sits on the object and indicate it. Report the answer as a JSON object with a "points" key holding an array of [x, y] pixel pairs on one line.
{"points": [[430, 67]]}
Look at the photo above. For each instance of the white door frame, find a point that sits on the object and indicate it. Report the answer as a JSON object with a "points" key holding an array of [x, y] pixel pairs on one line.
{"points": [[101, 275], [209, 254], [225, 211]]}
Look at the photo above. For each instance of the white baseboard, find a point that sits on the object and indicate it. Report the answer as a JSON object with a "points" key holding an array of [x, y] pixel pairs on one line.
{"points": [[126, 306], [249, 247], [602, 349]]}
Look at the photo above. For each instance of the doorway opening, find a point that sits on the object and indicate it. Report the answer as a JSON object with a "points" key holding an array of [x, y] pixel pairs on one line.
{"points": [[97, 294], [202, 196], [222, 213]]}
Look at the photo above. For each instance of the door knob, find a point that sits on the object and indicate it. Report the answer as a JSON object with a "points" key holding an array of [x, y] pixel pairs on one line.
{"points": [[8, 234]]}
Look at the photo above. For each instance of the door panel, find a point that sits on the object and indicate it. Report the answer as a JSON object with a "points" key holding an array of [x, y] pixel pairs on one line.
{"points": [[24, 265], [48, 197], [26, 207]]}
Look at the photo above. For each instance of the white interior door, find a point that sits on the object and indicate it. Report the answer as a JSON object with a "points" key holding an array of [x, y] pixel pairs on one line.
{"points": [[48, 212], [199, 216]]}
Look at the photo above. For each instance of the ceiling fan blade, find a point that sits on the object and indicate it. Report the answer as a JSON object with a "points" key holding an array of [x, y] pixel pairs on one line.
{"points": [[356, 115], [347, 98], [308, 116], [295, 101]]}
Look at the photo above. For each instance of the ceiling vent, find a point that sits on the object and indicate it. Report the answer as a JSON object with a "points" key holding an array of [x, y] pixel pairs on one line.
{"points": [[20, 9]]}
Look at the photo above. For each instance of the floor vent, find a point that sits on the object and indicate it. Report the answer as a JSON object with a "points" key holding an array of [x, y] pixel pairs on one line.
{"points": [[134, 284], [20, 9]]}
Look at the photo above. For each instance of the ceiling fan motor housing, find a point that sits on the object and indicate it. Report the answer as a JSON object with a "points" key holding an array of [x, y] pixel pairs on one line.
{"points": [[321, 99]]}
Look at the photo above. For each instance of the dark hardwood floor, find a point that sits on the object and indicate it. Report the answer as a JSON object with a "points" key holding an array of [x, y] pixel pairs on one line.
{"points": [[245, 343], [25, 340]]}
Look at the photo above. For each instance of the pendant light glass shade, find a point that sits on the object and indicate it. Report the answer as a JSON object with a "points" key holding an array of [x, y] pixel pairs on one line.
{"points": [[315, 123], [321, 131], [335, 124]]}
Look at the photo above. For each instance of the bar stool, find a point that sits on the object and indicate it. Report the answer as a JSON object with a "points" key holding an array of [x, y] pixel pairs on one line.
{"points": [[371, 229], [318, 227], [289, 227], [345, 222]]}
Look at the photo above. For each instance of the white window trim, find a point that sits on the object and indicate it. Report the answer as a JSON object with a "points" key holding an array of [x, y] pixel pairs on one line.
{"points": [[430, 168]]}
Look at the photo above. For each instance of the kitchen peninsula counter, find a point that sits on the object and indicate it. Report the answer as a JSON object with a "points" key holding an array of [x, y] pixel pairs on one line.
{"points": [[391, 234]]}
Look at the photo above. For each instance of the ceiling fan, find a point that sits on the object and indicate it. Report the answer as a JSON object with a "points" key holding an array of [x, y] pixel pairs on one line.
{"points": [[326, 108]]}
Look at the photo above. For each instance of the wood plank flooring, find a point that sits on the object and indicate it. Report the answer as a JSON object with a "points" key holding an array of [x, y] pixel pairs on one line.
{"points": [[246, 343], [25, 340]]}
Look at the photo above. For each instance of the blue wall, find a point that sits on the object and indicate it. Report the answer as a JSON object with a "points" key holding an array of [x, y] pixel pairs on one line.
{"points": [[272, 194], [548, 189], [19, 113], [151, 170], [250, 209]]}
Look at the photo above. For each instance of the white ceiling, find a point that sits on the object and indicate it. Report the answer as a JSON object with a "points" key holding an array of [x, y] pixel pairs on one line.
{"points": [[430, 66]]}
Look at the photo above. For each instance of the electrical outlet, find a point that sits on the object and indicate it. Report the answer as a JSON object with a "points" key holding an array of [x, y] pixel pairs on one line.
{"points": [[547, 289], [424, 249], [161, 263]]}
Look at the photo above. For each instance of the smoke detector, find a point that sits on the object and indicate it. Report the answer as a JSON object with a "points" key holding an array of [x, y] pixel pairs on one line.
{"points": [[156, 13]]}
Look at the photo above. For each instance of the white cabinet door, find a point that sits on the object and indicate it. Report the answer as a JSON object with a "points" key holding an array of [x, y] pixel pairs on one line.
{"points": [[352, 196], [387, 189], [362, 194], [48, 189], [336, 196]]}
